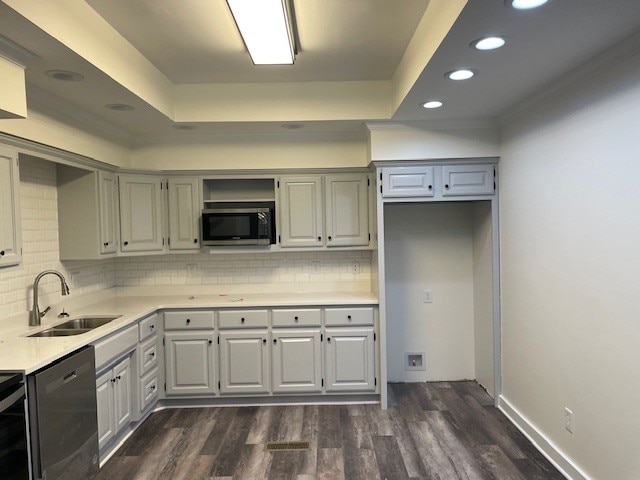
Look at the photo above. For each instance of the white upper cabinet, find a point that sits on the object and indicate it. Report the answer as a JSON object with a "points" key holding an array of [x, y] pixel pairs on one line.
{"points": [[108, 191], [347, 216], [467, 180], [10, 244], [140, 213], [301, 211], [407, 181], [319, 210], [184, 213]]}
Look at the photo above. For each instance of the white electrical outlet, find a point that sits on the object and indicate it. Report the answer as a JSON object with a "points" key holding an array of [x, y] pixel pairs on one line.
{"points": [[568, 420], [192, 270], [355, 267], [427, 296], [315, 267]]}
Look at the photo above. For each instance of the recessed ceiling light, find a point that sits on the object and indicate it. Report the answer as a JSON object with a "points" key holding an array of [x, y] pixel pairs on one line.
{"points": [[526, 4], [432, 104], [184, 127], [292, 126], [119, 107], [488, 43], [462, 74], [64, 75]]}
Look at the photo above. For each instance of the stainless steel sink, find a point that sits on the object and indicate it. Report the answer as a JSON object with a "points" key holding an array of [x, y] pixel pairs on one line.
{"points": [[84, 323], [76, 326]]}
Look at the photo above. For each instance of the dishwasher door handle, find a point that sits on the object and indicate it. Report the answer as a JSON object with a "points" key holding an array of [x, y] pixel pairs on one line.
{"points": [[72, 375]]}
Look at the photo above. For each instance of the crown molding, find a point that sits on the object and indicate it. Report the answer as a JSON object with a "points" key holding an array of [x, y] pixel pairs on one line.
{"points": [[16, 53], [602, 62]]}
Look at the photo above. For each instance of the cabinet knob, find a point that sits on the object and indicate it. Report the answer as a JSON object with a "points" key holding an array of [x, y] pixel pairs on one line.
{"points": [[329, 339], [242, 320], [447, 186], [210, 342], [349, 317], [113, 380], [152, 354], [106, 244], [118, 377], [152, 387], [264, 340], [188, 321], [152, 326], [1, 253], [430, 187], [275, 340], [296, 319], [319, 238], [329, 237], [126, 243], [195, 240]]}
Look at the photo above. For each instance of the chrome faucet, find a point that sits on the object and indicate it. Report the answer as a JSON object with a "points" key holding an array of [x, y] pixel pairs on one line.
{"points": [[35, 315]]}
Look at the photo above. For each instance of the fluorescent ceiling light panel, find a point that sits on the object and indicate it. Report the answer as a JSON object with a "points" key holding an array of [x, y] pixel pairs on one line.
{"points": [[264, 26], [527, 4]]}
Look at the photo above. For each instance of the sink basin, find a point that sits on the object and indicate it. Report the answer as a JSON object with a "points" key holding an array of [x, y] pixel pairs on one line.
{"points": [[76, 326], [84, 323], [60, 333]]}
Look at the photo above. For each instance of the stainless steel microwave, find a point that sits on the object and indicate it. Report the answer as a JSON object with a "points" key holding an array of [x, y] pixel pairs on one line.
{"points": [[238, 226]]}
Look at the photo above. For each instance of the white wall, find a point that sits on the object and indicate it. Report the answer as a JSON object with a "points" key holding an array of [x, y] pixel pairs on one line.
{"points": [[483, 294], [570, 260], [430, 246], [255, 152]]}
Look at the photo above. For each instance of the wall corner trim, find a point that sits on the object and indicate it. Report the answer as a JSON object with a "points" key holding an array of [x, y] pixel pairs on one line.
{"points": [[551, 452]]}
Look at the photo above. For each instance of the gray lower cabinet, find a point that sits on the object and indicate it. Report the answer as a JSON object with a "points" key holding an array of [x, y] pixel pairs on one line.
{"points": [[350, 360], [297, 361], [114, 400], [244, 362], [190, 363]]}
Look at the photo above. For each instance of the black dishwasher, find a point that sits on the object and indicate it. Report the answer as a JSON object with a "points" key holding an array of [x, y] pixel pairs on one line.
{"points": [[63, 420], [14, 459]]}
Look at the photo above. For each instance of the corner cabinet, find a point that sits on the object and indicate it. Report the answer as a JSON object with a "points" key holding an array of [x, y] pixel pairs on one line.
{"points": [[141, 210], [184, 213], [10, 241], [324, 210]]}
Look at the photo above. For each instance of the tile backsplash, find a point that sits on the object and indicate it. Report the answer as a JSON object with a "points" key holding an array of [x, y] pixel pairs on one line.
{"points": [[319, 271], [39, 223]]}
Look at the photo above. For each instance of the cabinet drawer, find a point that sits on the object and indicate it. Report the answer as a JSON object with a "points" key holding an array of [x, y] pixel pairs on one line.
{"points": [[147, 355], [148, 389], [148, 326], [309, 317], [243, 318], [115, 345], [188, 320], [348, 316]]}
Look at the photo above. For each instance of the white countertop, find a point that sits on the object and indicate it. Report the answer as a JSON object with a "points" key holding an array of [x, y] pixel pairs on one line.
{"points": [[20, 353]]}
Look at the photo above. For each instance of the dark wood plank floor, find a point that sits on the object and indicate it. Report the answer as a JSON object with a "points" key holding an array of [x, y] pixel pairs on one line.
{"points": [[443, 430]]}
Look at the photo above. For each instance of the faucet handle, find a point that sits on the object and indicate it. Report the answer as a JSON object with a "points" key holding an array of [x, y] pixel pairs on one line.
{"points": [[44, 312]]}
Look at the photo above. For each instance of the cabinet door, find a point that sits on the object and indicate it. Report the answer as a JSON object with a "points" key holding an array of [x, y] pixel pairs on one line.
{"points": [[122, 394], [106, 415], [467, 180], [244, 362], [140, 213], [297, 361], [350, 362], [347, 216], [301, 211], [10, 246], [107, 188], [407, 182], [190, 363], [184, 212]]}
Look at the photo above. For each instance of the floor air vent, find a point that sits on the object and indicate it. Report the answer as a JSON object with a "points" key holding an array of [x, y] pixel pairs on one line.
{"points": [[286, 446]]}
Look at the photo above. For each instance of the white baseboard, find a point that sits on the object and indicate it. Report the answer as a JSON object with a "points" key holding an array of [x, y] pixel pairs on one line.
{"points": [[541, 442]]}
